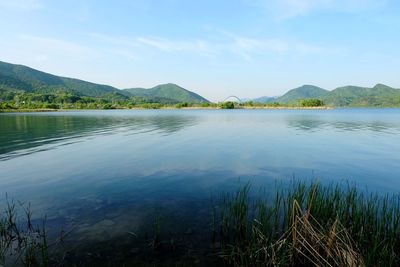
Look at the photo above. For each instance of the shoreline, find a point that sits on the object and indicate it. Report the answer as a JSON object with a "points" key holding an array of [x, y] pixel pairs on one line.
{"points": [[192, 108], [167, 108]]}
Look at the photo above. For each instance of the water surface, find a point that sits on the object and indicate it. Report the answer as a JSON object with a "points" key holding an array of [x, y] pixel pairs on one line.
{"points": [[101, 173]]}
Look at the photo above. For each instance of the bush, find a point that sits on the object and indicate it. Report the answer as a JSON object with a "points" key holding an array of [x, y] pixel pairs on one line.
{"points": [[52, 106], [152, 105], [312, 102], [182, 105], [227, 105], [108, 106], [6, 106]]}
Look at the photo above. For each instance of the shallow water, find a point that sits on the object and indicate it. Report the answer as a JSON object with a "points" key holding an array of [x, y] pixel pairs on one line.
{"points": [[101, 173]]}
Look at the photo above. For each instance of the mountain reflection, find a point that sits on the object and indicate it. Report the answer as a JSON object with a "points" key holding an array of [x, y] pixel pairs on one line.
{"points": [[315, 124], [22, 134]]}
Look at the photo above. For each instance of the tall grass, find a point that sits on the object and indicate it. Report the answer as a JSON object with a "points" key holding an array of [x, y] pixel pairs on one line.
{"points": [[296, 224], [307, 224], [22, 243]]}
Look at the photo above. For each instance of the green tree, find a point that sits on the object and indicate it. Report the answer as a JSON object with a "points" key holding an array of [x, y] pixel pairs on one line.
{"points": [[227, 105], [311, 102]]}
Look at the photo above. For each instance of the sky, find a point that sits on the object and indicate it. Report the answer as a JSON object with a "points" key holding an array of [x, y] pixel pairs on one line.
{"points": [[216, 48]]}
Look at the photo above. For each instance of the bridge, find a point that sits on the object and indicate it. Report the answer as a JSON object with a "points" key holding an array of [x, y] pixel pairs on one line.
{"points": [[233, 96]]}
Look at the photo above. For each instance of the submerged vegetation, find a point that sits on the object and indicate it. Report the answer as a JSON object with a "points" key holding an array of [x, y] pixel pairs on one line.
{"points": [[297, 224], [21, 241], [308, 225]]}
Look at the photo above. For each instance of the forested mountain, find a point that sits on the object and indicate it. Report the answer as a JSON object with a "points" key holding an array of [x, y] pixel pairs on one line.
{"points": [[22, 79], [167, 93], [303, 92], [347, 96], [19, 83]]}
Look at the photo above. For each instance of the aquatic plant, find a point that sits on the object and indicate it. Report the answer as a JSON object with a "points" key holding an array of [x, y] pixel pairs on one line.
{"points": [[307, 224], [21, 241], [295, 224]]}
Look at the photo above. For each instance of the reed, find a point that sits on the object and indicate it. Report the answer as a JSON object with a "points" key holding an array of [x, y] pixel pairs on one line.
{"points": [[21, 241], [307, 224]]}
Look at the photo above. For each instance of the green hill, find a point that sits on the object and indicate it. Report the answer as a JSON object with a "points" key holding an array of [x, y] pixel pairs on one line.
{"points": [[264, 99], [170, 93], [347, 96], [378, 96], [303, 92], [19, 83], [21, 78]]}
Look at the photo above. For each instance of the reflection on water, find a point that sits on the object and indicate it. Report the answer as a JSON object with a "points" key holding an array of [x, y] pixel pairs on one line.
{"points": [[23, 134], [344, 123], [312, 124], [104, 173]]}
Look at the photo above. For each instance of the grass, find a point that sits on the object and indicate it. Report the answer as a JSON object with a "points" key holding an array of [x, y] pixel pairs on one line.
{"points": [[298, 224], [307, 224], [21, 241]]}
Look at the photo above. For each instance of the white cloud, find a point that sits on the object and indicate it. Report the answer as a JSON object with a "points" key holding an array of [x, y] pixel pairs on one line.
{"points": [[191, 46], [200, 47], [244, 47], [250, 47]]}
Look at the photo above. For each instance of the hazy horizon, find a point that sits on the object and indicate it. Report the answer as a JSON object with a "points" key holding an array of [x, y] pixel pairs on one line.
{"points": [[245, 48]]}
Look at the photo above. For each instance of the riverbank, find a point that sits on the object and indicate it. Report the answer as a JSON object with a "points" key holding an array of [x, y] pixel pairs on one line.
{"points": [[28, 110], [167, 108]]}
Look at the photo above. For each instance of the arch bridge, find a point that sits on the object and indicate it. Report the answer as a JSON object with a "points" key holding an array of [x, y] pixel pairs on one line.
{"points": [[233, 96]]}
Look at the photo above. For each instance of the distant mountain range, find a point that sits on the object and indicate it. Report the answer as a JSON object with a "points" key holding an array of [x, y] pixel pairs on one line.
{"points": [[348, 96], [24, 79], [167, 93], [21, 78], [303, 92], [263, 99]]}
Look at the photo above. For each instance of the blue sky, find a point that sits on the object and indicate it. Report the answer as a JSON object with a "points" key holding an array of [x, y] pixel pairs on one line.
{"points": [[216, 48]]}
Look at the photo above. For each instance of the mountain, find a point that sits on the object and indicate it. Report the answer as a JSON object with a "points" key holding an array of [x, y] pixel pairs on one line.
{"points": [[347, 96], [303, 92], [264, 99], [25, 79], [21, 78], [377, 96], [169, 92]]}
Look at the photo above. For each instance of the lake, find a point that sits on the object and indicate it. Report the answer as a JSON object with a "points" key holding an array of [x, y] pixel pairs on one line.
{"points": [[102, 174]]}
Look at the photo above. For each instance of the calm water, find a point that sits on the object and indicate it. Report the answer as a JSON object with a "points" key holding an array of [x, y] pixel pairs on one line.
{"points": [[101, 173]]}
